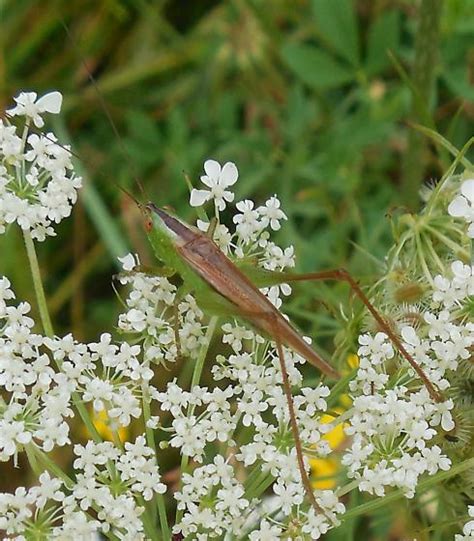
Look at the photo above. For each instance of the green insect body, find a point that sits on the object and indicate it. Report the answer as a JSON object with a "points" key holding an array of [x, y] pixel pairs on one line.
{"points": [[218, 285]]}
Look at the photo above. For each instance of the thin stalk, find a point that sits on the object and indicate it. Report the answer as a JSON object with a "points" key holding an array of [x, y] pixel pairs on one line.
{"points": [[48, 326], [264, 484], [32, 450], [448, 242], [150, 438], [197, 372], [421, 257], [38, 285], [254, 479]]}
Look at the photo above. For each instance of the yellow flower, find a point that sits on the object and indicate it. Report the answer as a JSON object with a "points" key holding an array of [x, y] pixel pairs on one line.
{"points": [[325, 470], [105, 426]]}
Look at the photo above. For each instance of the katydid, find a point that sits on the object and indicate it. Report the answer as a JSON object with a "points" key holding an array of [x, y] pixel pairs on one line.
{"points": [[216, 281], [220, 285]]}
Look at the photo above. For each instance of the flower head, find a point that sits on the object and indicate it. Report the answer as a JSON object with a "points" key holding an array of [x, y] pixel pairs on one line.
{"points": [[29, 106], [217, 179], [38, 186]]}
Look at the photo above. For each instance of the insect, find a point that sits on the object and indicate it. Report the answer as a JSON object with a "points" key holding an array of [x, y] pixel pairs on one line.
{"points": [[219, 286]]}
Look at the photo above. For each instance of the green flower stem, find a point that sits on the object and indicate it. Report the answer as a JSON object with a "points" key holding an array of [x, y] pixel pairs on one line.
{"points": [[48, 326], [449, 243], [342, 491], [33, 460], [150, 438], [265, 483], [398, 494], [35, 454], [254, 479], [148, 522], [203, 353], [196, 377], [38, 285], [421, 257]]}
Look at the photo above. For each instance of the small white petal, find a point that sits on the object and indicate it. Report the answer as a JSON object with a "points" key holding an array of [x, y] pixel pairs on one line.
{"points": [[128, 262], [447, 422], [50, 102], [199, 197], [220, 204], [409, 335], [229, 174], [467, 189], [458, 206], [38, 121], [212, 168]]}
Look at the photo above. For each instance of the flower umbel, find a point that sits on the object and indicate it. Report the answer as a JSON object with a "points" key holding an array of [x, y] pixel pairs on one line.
{"points": [[38, 186]]}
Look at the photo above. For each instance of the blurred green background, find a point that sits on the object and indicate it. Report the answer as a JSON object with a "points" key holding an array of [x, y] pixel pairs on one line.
{"points": [[313, 100], [302, 95]]}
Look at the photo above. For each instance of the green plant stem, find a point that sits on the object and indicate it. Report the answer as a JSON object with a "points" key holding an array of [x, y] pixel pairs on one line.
{"points": [[48, 326], [38, 285], [423, 77], [35, 456], [197, 372], [150, 437]]}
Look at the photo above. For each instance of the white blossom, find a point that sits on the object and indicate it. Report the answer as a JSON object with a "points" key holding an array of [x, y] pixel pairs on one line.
{"points": [[38, 185], [217, 179]]}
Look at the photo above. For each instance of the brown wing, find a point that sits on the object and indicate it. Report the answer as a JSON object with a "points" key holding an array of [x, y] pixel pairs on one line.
{"points": [[204, 256]]}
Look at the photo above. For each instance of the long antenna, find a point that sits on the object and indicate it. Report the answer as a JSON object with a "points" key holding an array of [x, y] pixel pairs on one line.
{"points": [[104, 106]]}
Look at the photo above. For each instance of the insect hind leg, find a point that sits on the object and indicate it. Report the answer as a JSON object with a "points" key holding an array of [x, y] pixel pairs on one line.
{"points": [[292, 415], [342, 275]]}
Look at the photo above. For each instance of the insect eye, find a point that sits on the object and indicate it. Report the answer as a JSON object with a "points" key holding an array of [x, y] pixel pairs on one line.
{"points": [[148, 225]]}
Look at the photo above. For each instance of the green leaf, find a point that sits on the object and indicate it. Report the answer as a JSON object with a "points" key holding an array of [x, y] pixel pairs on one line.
{"points": [[384, 35], [457, 79], [337, 26], [315, 67]]}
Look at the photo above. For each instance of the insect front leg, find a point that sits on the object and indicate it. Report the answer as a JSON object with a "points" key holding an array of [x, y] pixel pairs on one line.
{"points": [[180, 294], [342, 275]]}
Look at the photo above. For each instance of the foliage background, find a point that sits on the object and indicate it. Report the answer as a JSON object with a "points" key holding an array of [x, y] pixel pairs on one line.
{"points": [[302, 95]]}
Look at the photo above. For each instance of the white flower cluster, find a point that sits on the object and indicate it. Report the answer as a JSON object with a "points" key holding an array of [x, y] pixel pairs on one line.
{"points": [[108, 376], [396, 427], [462, 206], [468, 530], [38, 186], [227, 508], [98, 468], [165, 325], [108, 481], [38, 398]]}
